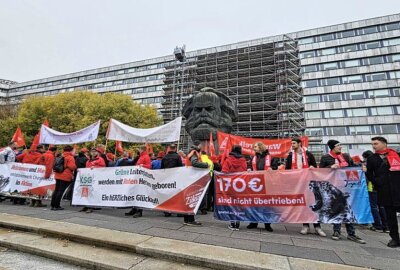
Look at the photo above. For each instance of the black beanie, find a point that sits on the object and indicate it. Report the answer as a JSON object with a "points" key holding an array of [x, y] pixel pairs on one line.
{"points": [[332, 143]]}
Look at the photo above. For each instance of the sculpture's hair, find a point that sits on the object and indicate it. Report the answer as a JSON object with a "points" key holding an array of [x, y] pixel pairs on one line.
{"points": [[226, 103]]}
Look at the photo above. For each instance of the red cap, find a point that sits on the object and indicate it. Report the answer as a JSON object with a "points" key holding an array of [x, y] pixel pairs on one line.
{"points": [[84, 150]]}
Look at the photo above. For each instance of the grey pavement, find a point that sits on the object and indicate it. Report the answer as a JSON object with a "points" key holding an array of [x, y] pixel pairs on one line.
{"points": [[285, 240], [15, 260]]}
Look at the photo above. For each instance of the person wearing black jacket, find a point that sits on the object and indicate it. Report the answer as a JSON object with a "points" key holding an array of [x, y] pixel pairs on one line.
{"points": [[336, 159], [383, 170], [260, 162], [301, 158], [171, 159]]}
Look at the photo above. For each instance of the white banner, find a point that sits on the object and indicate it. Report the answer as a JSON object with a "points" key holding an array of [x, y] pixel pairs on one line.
{"points": [[169, 132], [25, 179], [178, 190], [51, 136]]}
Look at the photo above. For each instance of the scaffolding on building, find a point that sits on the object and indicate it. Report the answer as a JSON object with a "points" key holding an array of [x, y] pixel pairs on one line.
{"points": [[263, 80]]}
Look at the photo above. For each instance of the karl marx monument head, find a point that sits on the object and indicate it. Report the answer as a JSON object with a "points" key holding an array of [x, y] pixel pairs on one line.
{"points": [[206, 111]]}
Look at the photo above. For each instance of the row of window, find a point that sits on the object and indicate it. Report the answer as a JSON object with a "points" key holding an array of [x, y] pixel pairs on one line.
{"points": [[151, 100], [114, 83], [370, 77], [351, 33], [352, 63], [358, 112], [353, 130], [97, 76], [394, 92], [351, 48]]}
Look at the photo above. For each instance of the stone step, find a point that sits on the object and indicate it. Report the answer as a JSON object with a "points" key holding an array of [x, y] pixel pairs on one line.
{"points": [[188, 253], [88, 256]]}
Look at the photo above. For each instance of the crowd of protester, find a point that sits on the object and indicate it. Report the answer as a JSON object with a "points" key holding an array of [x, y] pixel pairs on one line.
{"points": [[382, 168]]}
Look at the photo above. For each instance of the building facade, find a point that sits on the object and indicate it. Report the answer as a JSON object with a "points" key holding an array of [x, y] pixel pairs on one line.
{"points": [[349, 73]]}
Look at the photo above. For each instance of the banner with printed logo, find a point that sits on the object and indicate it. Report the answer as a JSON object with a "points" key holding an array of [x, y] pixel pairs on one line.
{"points": [[293, 196], [25, 179], [178, 190], [51, 136], [277, 147]]}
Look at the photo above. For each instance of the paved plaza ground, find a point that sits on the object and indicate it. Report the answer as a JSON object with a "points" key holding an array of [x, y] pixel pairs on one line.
{"points": [[285, 240]]}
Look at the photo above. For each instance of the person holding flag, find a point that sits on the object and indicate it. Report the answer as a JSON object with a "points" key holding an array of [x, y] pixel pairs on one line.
{"points": [[301, 158], [336, 159], [383, 170]]}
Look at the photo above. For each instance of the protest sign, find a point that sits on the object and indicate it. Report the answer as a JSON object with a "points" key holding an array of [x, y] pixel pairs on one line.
{"points": [[25, 179], [178, 190], [295, 196]]}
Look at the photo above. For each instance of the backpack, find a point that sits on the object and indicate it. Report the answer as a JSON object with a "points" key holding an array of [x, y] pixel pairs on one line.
{"points": [[59, 164]]}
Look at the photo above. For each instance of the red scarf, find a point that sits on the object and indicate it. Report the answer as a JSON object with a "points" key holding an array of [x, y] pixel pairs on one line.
{"points": [[267, 163], [340, 158], [392, 157], [304, 158]]}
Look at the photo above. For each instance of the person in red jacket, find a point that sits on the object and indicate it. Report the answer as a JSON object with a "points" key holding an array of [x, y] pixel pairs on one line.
{"points": [[32, 156], [95, 161], [64, 178], [47, 159], [144, 159], [235, 162]]}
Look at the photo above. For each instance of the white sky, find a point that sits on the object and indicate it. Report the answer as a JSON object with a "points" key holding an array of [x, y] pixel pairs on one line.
{"points": [[43, 38]]}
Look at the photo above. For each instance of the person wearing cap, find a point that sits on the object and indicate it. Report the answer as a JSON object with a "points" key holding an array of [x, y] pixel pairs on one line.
{"points": [[336, 159], [301, 158], [156, 164], [95, 161], [64, 178], [383, 170]]}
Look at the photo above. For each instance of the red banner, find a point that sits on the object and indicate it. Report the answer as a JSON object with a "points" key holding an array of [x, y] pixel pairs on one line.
{"points": [[277, 147]]}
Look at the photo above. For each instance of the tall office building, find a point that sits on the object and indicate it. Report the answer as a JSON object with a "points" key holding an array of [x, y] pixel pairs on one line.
{"points": [[337, 82]]}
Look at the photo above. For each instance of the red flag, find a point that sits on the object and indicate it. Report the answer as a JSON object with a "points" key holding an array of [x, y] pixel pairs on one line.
{"points": [[18, 137], [212, 148], [226, 151], [118, 147], [36, 140]]}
